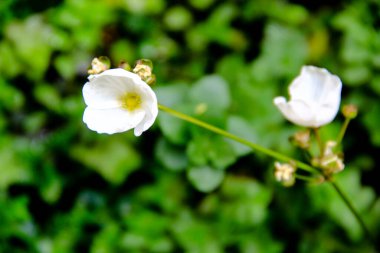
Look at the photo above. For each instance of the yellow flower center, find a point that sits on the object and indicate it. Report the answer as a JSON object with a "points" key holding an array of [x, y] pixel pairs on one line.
{"points": [[131, 101]]}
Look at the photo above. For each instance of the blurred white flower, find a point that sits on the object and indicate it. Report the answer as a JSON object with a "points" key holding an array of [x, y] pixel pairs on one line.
{"points": [[285, 173], [117, 101], [314, 98]]}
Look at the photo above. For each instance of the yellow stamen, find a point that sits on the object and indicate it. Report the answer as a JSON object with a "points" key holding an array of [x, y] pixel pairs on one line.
{"points": [[131, 101]]}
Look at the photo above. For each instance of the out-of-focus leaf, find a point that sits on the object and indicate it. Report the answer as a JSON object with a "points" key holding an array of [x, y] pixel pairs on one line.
{"points": [[213, 92], [178, 18], [11, 98], [205, 179], [193, 235], [48, 96], [34, 41], [9, 66], [326, 199], [214, 150], [13, 169], [145, 6], [249, 201], [284, 51], [170, 156], [114, 159], [201, 4]]}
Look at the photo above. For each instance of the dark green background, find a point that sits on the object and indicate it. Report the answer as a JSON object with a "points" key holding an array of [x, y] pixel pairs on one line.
{"points": [[177, 188]]}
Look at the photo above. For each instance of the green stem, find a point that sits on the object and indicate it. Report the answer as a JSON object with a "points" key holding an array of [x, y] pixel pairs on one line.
{"points": [[342, 131], [308, 178], [352, 209], [252, 145], [273, 154], [319, 141]]}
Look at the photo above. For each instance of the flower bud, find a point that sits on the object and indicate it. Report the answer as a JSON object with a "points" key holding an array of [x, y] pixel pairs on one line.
{"points": [[301, 139], [330, 162], [144, 69], [350, 111], [285, 173], [98, 65], [125, 65]]}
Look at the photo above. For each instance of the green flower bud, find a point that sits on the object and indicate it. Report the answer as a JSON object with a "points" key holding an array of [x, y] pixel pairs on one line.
{"points": [[125, 65], [350, 111]]}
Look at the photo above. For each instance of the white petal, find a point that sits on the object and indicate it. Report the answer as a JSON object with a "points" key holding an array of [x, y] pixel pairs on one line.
{"points": [[105, 90], [150, 107], [102, 95], [296, 111], [325, 115], [112, 121], [314, 98], [118, 72], [313, 84]]}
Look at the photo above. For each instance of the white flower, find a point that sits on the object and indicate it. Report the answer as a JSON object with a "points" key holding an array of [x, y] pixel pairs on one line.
{"points": [[314, 98], [117, 101], [285, 173]]}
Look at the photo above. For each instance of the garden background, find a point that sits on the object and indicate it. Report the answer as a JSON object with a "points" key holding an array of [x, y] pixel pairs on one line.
{"points": [[178, 188]]}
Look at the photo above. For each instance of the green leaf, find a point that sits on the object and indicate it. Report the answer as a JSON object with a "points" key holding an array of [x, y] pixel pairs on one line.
{"points": [[221, 154], [284, 51], [145, 6], [194, 235], [178, 18], [32, 39], [11, 98], [204, 178], [205, 148], [248, 201], [113, 158], [13, 168], [171, 156], [9, 65], [49, 96], [213, 92]]}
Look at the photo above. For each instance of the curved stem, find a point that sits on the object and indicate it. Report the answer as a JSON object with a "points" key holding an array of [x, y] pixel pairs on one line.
{"points": [[309, 179], [270, 153], [342, 131], [252, 145], [352, 209]]}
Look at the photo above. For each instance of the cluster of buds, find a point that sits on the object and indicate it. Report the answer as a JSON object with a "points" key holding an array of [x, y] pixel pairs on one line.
{"points": [[330, 162], [143, 68], [285, 173], [98, 65]]}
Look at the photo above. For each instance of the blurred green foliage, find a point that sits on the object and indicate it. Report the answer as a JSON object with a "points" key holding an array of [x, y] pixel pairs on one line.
{"points": [[178, 188]]}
